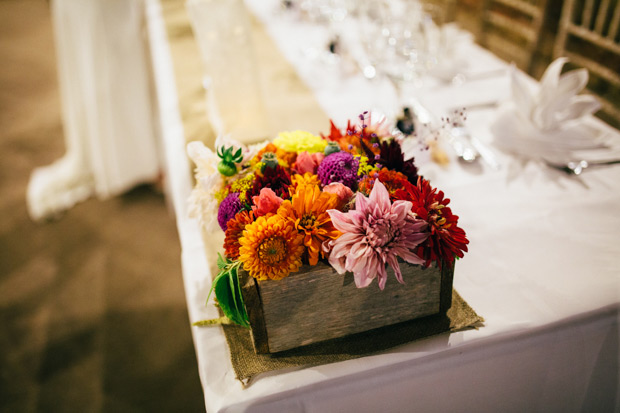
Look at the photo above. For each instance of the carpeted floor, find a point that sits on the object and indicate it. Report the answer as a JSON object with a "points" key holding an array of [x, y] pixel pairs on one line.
{"points": [[92, 308]]}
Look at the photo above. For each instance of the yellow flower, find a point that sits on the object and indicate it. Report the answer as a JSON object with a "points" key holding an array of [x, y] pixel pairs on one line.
{"points": [[270, 248], [221, 194], [242, 186], [305, 179], [364, 167], [307, 211], [299, 141]]}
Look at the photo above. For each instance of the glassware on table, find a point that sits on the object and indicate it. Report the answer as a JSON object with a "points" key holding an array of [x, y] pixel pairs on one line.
{"points": [[401, 39]]}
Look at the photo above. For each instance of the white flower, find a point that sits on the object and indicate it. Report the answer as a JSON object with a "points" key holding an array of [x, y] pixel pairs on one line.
{"points": [[202, 202]]}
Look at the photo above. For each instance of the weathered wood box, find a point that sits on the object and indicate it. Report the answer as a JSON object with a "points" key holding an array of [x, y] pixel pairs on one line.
{"points": [[317, 304]]}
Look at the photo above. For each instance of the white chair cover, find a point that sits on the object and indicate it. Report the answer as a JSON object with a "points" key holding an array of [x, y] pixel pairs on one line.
{"points": [[107, 105]]}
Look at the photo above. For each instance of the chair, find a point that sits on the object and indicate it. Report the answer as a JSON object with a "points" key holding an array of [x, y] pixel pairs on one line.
{"points": [[589, 35], [512, 29]]}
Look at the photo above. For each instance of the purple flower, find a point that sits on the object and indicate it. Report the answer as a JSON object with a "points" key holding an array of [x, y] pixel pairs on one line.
{"points": [[228, 209], [339, 167], [374, 234]]}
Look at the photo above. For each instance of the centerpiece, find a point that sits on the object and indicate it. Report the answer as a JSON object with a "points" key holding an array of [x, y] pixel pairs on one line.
{"points": [[325, 236]]}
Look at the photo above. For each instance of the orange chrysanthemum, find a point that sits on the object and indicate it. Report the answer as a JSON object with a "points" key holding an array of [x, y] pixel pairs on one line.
{"points": [[288, 158], [234, 230], [271, 248], [305, 179], [307, 210]]}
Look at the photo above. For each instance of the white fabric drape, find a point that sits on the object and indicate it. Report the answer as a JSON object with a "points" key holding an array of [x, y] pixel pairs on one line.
{"points": [[107, 105]]}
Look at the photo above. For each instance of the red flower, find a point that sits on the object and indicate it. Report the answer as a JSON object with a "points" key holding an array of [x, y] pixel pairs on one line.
{"points": [[276, 178], [368, 133], [348, 141], [447, 239], [234, 230], [393, 181]]}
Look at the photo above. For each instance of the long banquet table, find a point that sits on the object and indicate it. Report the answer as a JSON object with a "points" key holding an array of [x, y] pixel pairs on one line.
{"points": [[542, 268]]}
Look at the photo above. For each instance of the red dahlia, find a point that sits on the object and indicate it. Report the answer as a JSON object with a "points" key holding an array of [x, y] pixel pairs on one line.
{"points": [[275, 178], [393, 181], [447, 239], [234, 230]]}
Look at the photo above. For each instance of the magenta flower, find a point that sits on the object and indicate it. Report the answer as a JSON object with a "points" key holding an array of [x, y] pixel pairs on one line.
{"points": [[339, 167], [374, 235], [228, 209]]}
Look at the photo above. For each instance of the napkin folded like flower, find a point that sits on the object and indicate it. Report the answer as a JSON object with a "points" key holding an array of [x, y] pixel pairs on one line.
{"points": [[551, 123]]}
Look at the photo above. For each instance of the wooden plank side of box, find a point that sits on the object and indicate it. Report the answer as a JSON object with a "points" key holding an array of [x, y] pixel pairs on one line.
{"points": [[318, 304]]}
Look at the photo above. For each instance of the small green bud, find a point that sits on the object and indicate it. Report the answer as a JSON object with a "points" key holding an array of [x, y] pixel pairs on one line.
{"points": [[332, 147], [270, 160]]}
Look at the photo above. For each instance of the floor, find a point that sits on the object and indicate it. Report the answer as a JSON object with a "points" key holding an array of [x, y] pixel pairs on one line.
{"points": [[92, 307]]}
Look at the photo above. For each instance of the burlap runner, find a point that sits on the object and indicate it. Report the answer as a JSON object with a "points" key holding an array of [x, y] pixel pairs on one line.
{"points": [[247, 364], [291, 105]]}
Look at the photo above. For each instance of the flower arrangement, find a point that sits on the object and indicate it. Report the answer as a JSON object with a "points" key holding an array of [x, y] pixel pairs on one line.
{"points": [[349, 198]]}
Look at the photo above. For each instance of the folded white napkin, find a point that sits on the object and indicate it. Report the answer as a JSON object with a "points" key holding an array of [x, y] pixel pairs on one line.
{"points": [[551, 123]]}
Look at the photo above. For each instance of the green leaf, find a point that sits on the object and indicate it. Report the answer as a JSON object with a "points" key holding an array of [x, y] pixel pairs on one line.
{"points": [[221, 262], [228, 291], [222, 274], [231, 302], [238, 296]]}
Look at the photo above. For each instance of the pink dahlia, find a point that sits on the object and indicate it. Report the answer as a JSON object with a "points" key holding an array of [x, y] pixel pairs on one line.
{"points": [[374, 234]]}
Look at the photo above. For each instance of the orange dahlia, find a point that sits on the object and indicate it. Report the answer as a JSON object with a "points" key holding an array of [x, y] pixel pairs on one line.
{"points": [[307, 211], [234, 230], [287, 157], [270, 248]]}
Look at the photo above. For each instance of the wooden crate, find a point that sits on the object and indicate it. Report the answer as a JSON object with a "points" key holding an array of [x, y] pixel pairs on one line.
{"points": [[317, 304]]}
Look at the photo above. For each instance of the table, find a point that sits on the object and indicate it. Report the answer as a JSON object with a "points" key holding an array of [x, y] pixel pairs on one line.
{"points": [[542, 270]]}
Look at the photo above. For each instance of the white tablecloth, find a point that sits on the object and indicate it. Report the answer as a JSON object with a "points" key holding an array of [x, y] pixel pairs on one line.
{"points": [[542, 270]]}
